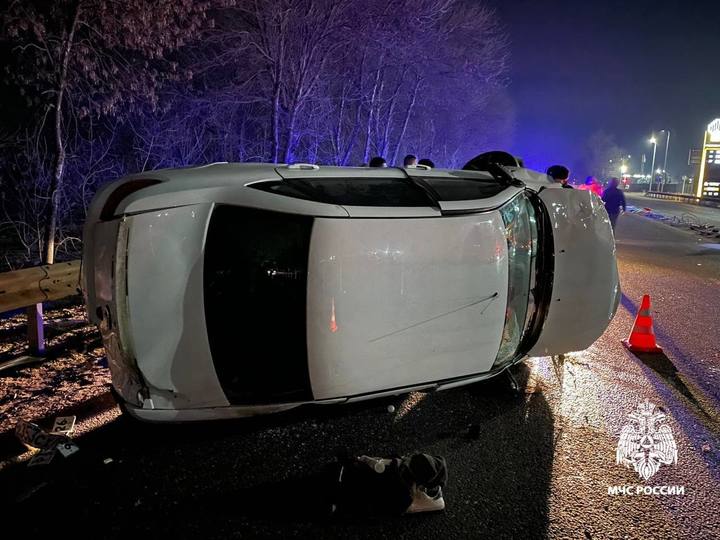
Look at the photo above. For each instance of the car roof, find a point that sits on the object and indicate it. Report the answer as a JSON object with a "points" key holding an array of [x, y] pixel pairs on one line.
{"points": [[232, 174], [225, 182]]}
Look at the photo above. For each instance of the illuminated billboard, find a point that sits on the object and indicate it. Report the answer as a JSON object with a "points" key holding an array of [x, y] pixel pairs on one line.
{"points": [[709, 183]]}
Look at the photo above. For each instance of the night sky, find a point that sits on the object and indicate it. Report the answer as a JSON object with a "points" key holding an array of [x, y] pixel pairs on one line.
{"points": [[624, 67]]}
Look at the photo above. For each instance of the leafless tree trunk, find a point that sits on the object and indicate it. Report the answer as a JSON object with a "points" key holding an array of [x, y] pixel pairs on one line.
{"points": [[59, 165], [354, 132], [408, 113], [384, 133], [371, 114]]}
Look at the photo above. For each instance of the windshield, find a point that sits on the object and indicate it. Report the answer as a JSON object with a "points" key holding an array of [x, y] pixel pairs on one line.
{"points": [[521, 231]]}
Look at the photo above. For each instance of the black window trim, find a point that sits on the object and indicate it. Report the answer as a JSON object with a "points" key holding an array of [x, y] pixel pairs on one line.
{"points": [[500, 175], [544, 277], [313, 195]]}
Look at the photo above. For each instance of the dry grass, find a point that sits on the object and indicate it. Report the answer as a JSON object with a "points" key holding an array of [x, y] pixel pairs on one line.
{"points": [[74, 371]]}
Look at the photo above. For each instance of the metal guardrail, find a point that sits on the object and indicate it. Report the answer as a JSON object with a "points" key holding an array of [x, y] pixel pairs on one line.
{"points": [[30, 287], [691, 199], [22, 288]]}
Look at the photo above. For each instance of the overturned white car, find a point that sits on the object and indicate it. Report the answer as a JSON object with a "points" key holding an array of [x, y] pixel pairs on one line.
{"points": [[238, 289]]}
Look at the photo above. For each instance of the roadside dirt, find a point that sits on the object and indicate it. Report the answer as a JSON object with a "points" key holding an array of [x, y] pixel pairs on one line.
{"points": [[74, 371]]}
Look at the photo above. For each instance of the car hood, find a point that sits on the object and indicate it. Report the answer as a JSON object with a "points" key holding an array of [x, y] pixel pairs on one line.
{"points": [[586, 287]]}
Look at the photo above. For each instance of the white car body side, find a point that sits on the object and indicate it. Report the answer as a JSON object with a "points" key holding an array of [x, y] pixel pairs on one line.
{"points": [[164, 291], [393, 303], [398, 298]]}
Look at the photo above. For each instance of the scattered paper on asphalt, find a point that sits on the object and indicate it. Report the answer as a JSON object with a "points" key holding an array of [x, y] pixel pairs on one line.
{"points": [[42, 458], [32, 435], [63, 425], [67, 448], [35, 437]]}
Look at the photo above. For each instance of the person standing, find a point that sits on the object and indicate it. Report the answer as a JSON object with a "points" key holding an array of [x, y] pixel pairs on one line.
{"points": [[591, 184], [409, 161], [559, 173], [378, 161], [614, 200]]}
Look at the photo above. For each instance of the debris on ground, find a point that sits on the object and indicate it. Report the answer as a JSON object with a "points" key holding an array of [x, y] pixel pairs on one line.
{"points": [[64, 425], [19, 362], [34, 436], [687, 221], [44, 457], [401, 485], [73, 372], [67, 448]]}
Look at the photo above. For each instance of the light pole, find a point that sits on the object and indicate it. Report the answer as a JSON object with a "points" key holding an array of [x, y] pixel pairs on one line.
{"points": [[667, 147], [642, 165], [653, 141]]}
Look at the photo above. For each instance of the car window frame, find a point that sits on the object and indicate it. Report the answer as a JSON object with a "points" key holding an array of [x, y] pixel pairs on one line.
{"points": [[420, 185], [540, 281]]}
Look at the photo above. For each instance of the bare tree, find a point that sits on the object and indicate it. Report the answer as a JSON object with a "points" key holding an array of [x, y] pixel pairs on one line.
{"points": [[418, 68], [78, 58], [294, 42], [122, 86]]}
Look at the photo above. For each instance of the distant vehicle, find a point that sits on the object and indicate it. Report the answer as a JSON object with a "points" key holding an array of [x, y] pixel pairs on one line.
{"points": [[238, 289]]}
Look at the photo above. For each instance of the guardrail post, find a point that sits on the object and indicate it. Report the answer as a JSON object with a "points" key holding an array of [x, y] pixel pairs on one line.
{"points": [[36, 331], [30, 287]]}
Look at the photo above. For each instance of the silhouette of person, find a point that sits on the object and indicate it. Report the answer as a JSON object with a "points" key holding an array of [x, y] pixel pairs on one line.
{"points": [[559, 173], [410, 161], [614, 199], [427, 162]]}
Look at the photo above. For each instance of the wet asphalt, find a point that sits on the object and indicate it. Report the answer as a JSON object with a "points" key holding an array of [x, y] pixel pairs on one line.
{"points": [[530, 464], [692, 213]]}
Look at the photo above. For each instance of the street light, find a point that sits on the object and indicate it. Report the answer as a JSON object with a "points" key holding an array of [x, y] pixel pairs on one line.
{"points": [[623, 165], [667, 147], [653, 141], [685, 181]]}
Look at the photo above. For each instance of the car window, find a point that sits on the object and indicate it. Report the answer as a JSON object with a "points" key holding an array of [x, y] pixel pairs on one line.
{"points": [[283, 188], [463, 189], [351, 191], [255, 286], [522, 241]]}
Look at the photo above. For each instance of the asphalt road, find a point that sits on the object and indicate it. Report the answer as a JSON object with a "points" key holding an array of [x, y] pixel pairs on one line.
{"points": [[699, 215], [532, 464]]}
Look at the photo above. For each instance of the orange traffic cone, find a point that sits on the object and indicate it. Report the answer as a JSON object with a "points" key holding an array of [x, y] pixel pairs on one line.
{"points": [[642, 337]]}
